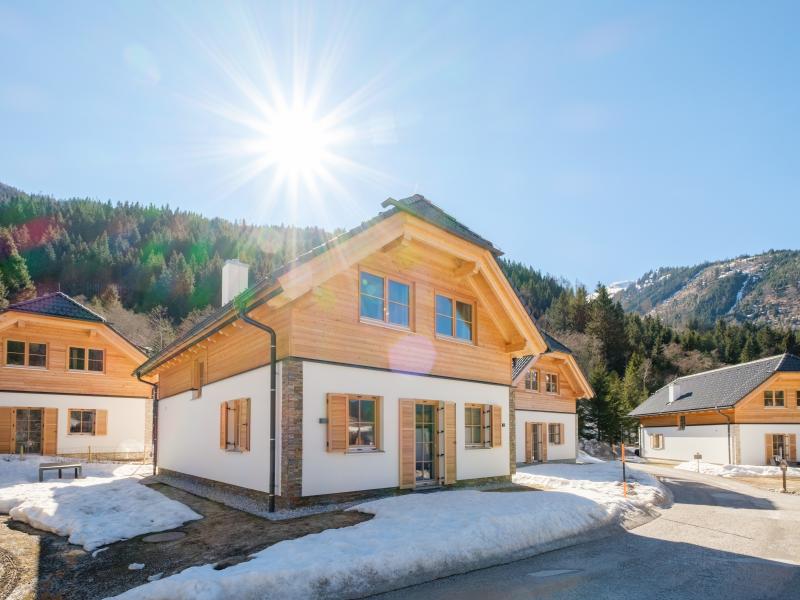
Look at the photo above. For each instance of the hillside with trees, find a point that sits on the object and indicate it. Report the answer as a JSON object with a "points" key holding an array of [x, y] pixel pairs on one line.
{"points": [[156, 261]]}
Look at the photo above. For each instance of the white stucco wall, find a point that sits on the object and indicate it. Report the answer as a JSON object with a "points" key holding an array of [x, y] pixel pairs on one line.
{"points": [[126, 420], [752, 441], [709, 440], [188, 432], [565, 451], [327, 473]]}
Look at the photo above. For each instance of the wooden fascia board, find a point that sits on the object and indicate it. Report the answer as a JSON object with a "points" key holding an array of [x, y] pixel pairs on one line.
{"points": [[514, 309], [320, 269], [487, 306], [578, 373]]}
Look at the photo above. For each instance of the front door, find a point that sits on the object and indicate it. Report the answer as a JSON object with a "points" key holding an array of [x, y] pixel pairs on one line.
{"points": [[28, 430], [535, 442], [425, 435]]}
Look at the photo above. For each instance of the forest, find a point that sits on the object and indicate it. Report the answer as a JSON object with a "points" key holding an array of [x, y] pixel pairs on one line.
{"points": [[155, 272]]}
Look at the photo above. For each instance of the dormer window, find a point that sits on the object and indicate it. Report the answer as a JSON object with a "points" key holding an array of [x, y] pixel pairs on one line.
{"points": [[532, 380], [384, 299]]}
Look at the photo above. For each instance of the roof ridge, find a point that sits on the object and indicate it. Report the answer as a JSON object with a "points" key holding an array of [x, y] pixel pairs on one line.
{"points": [[750, 362]]}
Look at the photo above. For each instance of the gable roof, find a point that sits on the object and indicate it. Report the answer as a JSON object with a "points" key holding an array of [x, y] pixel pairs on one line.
{"points": [[416, 205], [424, 209], [57, 304], [518, 365], [718, 388]]}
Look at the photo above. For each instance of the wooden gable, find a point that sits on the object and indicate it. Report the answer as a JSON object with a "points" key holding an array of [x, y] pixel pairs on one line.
{"points": [[751, 408], [571, 385], [59, 334]]}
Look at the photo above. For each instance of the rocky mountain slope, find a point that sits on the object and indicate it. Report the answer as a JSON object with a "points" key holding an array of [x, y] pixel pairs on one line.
{"points": [[764, 288]]}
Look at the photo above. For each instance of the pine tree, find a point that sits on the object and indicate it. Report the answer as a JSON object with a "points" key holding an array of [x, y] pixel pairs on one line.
{"points": [[751, 350], [13, 269], [607, 324]]}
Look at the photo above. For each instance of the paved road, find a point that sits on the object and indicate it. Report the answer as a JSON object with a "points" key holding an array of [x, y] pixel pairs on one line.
{"points": [[718, 540]]}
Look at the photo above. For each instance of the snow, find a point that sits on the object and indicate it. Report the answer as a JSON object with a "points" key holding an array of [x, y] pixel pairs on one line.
{"points": [[107, 505], [737, 470], [135, 566], [586, 459], [418, 537]]}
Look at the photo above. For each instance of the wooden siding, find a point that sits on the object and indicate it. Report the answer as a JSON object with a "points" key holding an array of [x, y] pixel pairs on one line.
{"points": [[326, 324], [752, 410], [692, 418], [563, 401], [60, 335], [236, 349]]}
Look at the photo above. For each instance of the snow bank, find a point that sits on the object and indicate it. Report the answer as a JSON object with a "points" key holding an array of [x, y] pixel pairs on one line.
{"points": [[418, 537], [587, 459], [93, 511], [737, 470]]}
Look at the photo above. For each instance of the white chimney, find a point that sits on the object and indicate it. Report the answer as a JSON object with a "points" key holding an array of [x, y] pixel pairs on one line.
{"points": [[234, 279], [674, 391]]}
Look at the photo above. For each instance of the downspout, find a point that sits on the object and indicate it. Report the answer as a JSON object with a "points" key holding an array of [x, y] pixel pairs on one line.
{"points": [[273, 351], [154, 395], [728, 419]]}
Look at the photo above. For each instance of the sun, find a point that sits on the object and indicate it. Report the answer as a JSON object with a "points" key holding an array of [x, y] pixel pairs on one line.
{"points": [[297, 144]]}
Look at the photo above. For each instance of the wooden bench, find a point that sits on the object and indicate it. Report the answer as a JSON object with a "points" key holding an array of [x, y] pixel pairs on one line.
{"points": [[60, 467]]}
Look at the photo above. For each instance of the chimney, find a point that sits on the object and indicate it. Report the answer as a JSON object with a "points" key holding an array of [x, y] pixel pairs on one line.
{"points": [[674, 391], [234, 279]]}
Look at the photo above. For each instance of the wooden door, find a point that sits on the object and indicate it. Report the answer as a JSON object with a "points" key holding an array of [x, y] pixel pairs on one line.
{"points": [[7, 433], [50, 431]]}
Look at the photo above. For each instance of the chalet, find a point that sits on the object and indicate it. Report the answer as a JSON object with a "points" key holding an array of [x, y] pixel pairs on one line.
{"points": [[746, 414], [546, 388], [66, 383], [380, 360]]}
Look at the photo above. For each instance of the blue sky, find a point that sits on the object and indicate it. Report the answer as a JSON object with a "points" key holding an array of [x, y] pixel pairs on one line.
{"points": [[591, 140]]}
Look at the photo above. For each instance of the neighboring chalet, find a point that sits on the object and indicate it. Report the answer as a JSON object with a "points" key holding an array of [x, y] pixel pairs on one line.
{"points": [[546, 388], [746, 414], [393, 367], [66, 382]]}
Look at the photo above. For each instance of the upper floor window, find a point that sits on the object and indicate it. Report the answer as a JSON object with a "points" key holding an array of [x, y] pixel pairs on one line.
{"points": [[551, 383], [532, 380], [682, 422], [454, 318], [86, 359], [774, 398], [26, 354], [384, 299]]}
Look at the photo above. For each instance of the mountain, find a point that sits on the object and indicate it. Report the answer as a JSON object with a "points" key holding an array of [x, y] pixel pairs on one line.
{"points": [[761, 289]]}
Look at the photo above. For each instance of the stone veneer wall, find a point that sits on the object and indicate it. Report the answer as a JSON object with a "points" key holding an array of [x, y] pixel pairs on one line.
{"points": [[512, 432], [291, 451]]}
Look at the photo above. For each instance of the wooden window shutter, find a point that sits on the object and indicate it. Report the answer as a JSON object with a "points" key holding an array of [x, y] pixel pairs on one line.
{"points": [[792, 447], [101, 422], [243, 423], [223, 426], [497, 426], [543, 440], [560, 433], [407, 444], [50, 431], [768, 448], [528, 442], [449, 443], [7, 416], [337, 423]]}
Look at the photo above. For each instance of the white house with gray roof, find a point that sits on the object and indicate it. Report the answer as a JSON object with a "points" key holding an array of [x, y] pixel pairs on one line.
{"points": [[742, 414]]}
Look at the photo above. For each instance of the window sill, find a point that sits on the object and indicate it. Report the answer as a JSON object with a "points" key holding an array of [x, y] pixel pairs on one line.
{"points": [[366, 451], [476, 447], [774, 407], [450, 338], [384, 324], [82, 434], [25, 367], [85, 372]]}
